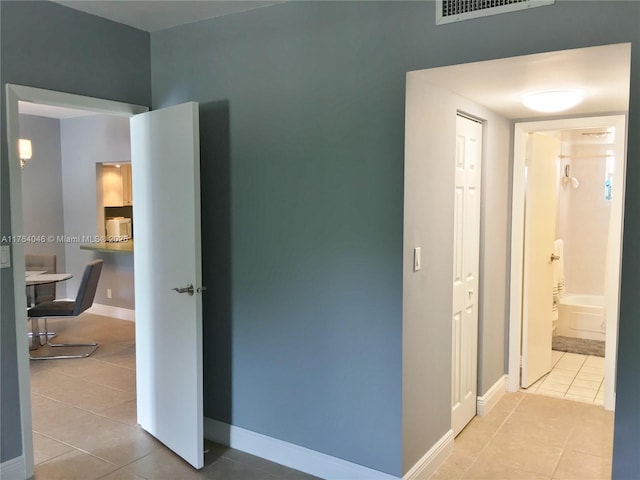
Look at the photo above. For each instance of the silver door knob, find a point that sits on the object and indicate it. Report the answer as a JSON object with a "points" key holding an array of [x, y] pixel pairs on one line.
{"points": [[188, 289]]}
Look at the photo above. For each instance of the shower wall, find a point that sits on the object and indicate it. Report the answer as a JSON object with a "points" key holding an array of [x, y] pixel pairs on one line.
{"points": [[584, 212]]}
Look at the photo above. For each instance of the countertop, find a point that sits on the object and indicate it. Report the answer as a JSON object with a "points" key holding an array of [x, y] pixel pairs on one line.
{"points": [[109, 247]]}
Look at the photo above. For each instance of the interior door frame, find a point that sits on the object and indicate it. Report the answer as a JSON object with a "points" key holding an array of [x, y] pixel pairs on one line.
{"points": [[15, 94], [614, 267]]}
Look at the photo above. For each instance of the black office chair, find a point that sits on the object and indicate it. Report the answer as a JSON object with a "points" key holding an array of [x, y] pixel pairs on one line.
{"points": [[40, 293], [65, 308]]}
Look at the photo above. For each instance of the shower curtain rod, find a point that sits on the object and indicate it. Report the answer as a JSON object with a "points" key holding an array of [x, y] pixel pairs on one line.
{"points": [[586, 156]]}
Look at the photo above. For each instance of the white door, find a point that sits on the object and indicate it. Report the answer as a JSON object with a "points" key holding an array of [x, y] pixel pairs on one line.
{"points": [[539, 236], [165, 160], [465, 272]]}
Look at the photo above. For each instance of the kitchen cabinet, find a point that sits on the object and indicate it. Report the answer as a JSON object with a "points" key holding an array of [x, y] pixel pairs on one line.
{"points": [[116, 185]]}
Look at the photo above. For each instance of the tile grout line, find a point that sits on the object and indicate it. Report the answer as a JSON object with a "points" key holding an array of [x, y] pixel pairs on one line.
{"points": [[477, 456], [593, 400], [131, 463], [86, 452], [81, 408], [77, 449], [545, 392], [83, 379], [55, 440], [564, 446], [97, 414]]}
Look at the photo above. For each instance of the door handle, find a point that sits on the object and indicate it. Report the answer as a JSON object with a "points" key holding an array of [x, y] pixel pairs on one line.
{"points": [[554, 257], [188, 289]]}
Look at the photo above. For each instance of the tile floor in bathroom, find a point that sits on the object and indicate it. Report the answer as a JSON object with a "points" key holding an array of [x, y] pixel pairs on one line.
{"points": [[573, 377]]}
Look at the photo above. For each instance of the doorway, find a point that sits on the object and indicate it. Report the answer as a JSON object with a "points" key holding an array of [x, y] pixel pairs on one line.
{"points": [[63, 189], [157, 139], [491, 90], [591, 258], [14, 95]]}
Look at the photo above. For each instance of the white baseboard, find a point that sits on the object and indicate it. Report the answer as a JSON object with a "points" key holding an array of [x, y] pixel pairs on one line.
{"points": [[14, 469], [115, 312], [429, 463], [288, 454], [486, 402]]}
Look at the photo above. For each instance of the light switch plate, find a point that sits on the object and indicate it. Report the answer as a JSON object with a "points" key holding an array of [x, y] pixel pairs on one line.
{"points": [[5, 256], [416, 259]]}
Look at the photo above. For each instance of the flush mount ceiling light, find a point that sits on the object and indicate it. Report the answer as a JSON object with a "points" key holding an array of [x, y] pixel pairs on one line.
{"points": [[552, 100]]}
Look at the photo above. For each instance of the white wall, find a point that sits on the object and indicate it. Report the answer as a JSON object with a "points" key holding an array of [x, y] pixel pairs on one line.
{"points": [[583, 219]]}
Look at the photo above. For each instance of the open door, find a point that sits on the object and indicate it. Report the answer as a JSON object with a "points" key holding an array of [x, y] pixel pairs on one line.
{"points": [[165, 160], [540, 231]]}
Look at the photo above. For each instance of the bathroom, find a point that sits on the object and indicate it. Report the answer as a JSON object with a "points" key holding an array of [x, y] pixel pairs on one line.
{"points": [[585, 186], [584, 279]]}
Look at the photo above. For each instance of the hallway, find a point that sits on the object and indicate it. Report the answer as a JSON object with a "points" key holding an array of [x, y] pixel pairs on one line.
{"points": [[531, 436]]}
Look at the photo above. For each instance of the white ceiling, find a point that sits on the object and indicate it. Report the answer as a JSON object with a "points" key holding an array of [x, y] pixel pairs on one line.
{"points": [[154, 15], [601, 72]]}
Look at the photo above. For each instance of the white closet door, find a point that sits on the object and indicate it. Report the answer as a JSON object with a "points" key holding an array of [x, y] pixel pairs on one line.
{"points": [[465, 271]]}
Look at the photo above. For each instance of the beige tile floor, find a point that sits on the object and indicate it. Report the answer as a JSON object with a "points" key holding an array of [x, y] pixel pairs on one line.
{"points": [[530, 436], [574, 377], [84, 427], [84, 418]]}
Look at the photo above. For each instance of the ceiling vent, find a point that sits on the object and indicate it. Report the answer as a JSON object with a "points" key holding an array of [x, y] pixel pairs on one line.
{"points": [[448, 11]]}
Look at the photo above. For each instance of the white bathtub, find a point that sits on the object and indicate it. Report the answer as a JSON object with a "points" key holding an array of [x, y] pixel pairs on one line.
{"points": [[581, 316]]}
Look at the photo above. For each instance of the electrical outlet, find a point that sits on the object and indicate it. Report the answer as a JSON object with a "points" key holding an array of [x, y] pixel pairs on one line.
{"points": [[109, 293]]}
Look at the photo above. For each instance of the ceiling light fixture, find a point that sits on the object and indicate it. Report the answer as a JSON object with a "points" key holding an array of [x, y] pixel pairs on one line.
{"points": [[553, 100]]}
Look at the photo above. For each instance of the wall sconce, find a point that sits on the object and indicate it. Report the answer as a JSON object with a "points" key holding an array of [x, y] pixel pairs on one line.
{"points": [[24, 151]]}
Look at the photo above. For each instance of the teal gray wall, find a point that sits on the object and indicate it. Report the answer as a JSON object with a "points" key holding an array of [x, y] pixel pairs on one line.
{"points": [[302, 188], [42, 207], [49, 46], [309, 101], [315, 130], [315, 315]]}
